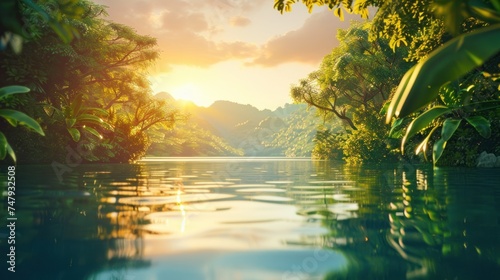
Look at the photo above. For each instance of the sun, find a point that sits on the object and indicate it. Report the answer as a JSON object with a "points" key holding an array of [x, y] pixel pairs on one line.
{"points": [[188, 92]]}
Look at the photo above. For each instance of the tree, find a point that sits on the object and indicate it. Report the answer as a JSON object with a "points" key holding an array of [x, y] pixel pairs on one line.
{"points": [[15, 118], [12, 34], [443, 71], [102, 74], [443, 79], [358, 75], [410, 23]]}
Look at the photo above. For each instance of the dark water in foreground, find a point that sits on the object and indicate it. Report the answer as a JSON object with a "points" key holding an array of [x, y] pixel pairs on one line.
{"points": [[252, 219]]}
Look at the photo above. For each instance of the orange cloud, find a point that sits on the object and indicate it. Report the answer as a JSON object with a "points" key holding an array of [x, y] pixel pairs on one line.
{"points": [[189, 48], [184, 31], [239, 21], [308, 44]]}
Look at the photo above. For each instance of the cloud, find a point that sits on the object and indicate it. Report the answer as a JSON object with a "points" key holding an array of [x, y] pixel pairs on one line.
{"points": [[178, 22], [185, 32], [189, 48], [239, 21], [308, 44], [184, 28]]}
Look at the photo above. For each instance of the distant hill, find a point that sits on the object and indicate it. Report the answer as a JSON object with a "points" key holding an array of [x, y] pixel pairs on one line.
{"points": [[227, 128]]}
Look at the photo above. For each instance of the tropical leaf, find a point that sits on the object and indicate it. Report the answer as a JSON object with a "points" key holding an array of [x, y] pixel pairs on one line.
{"points": [[3, 145], [422, 147], [447, 63], [449, 128], [11, 152], [453, 12], [70, 122], [93, 131], [6, 91], [5, 148], [338, 12], [484, 11], [91, 119], [423, 121], [15, 117], [396, 99], [481, 124], [395, 131], [75, 133]]}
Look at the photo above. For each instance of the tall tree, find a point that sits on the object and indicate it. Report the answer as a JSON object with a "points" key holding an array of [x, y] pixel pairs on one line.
{"points": [[102, 75], [358, 75]]}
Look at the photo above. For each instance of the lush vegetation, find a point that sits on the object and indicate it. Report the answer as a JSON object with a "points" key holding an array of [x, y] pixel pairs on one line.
{"points": [[452, 48], [89, 94], [352, 85]]}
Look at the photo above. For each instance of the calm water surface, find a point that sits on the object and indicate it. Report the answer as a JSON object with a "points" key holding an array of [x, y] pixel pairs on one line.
{"points": [[266, 218]]}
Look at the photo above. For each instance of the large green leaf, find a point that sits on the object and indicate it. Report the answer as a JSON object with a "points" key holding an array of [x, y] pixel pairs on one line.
{"points": [[481, 124], [423, 121], [70, 122], [15, 117], [5, 91], [447, 63], [11, 152], [5, 148], [422, 147], [496, 4], [75, 133], [452, 12], [484, 11], [396, 99], [93, 131], [3, 145], [449, 128], [395, 131], [91, 119]]}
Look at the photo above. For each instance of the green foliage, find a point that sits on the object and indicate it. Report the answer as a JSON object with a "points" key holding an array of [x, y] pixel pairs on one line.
{"points": [[467, 143], [54, 13], [328, 145], [14, 118], [358, 75], [457, 105], [410, 23], [432, 78], [352, 85], [78, 117], [79, 89], [368, 144], [446, 64], [420, 26], [296, 137], [187, 139], [128, 143]]}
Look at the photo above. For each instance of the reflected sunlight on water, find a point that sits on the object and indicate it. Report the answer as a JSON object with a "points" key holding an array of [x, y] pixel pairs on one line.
{"points": [[258, 218]]}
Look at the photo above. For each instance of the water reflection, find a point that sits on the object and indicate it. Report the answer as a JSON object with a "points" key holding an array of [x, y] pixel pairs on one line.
{"points": [[257, 219]]}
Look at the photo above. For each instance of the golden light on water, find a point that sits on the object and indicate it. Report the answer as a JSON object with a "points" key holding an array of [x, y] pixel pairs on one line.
{"points": [[181, 208]]}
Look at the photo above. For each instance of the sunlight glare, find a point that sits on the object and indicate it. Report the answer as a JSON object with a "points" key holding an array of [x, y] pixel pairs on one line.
{"points": [[188, 92]]}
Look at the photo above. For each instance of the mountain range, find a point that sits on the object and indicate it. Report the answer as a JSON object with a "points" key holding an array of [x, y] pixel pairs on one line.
{"points": [[227, 128]]}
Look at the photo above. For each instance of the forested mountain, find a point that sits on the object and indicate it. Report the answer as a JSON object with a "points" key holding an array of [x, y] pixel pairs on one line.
{"points": [[230, 129]]}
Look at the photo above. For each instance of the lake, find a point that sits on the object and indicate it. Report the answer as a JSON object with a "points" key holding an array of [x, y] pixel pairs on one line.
{"points": [[253, 218]]}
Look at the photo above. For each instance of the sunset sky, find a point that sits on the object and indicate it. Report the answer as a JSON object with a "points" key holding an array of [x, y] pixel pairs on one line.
{"points": [[238, 50]]}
